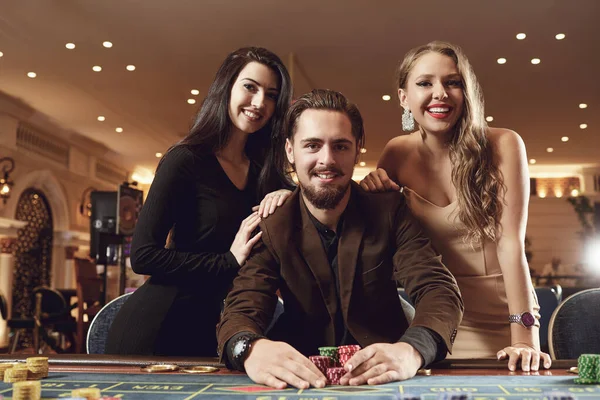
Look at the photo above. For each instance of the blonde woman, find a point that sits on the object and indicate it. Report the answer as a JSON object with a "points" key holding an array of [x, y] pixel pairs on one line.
{"points": [[468, 184]]}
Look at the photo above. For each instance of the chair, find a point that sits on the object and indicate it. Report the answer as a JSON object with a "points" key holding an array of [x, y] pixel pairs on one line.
{"points": [[51, 316], [89, 292], [558, 291], [574, 326], [548, 301], [100, 325]]}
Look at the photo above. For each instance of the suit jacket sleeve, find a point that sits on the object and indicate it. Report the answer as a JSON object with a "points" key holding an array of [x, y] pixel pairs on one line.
{"points": [[427, 281], [251, 302]]}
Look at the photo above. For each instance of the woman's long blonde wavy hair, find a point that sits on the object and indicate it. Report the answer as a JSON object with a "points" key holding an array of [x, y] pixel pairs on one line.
{"points": [[477, 180]]}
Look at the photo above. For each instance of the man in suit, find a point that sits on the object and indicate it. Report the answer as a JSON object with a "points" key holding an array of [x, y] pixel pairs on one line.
{"points": [[335, 253]]}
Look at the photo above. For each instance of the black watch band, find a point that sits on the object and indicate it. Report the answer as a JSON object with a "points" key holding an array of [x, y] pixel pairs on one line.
{"points": [[241, 348]]}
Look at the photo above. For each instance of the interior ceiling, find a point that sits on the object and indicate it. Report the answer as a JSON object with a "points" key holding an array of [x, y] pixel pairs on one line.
{"points": [[348, 45]]}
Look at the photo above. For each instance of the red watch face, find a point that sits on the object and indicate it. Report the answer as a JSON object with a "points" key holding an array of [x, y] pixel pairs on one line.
{"points": [[527, 319]]}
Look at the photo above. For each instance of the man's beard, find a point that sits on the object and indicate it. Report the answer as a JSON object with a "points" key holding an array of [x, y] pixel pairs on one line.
{"points": [[326, 197]]}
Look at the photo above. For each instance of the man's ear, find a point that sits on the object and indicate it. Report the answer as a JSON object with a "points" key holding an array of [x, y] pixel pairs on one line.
{"points": [[289, 151]]}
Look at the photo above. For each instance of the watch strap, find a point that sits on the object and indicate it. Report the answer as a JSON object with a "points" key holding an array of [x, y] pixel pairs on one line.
{"points": [[237, 360]]}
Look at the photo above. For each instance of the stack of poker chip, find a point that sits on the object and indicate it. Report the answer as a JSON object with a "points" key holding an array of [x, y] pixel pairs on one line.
{"points": [[322, 362], [346, 352], [334, 375], [27, 390], [17, 373], [86, 393], [38, 368], [4, 367], [330, 352], [589, 369]]}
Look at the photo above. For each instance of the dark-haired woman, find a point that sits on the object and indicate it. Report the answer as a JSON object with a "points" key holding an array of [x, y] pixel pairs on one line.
{"points": [[203, 194]]}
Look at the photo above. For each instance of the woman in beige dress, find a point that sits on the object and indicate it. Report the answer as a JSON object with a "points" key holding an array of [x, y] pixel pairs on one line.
{"points": [[468, 184]]}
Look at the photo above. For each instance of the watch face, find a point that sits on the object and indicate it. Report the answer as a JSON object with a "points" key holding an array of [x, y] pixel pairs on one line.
{"points": [[239, 347], [527, 319]]}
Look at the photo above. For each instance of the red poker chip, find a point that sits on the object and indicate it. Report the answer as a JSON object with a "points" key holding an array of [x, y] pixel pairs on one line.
{"points": [[334, 375]]}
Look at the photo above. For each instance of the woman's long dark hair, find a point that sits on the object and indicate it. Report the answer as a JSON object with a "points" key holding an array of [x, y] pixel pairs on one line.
{"points": [[211, 129]]}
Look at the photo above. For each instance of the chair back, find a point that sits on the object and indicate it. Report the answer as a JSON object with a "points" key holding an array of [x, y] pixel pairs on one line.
{"points": [[89, 284], [98, 331], [574, 326], [53, 305], [548, 301]]}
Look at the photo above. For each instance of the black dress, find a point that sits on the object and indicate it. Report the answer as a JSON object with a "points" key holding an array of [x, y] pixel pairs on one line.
{"points": [[176, 311]]}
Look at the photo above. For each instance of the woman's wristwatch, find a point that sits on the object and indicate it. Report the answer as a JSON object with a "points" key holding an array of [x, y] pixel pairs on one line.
{"points": [[525, 319]]}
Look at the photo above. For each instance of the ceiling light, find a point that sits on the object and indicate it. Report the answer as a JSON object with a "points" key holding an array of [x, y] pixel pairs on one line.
{"points": [[119, 129], [1, 54], [363, 150], [97, 68], [130, 67], [158, 155], [501, 61], [574, 193], [535, 61], [582, 105], [101, 118], [521, 36], [31, 74], [564, 138], [532, 161], [386, 97], [549, 149], [583, 126], [70, 46], [195, 92], [107, 44], [362, 163], [489, 118], [560, 36], [191, 101]]}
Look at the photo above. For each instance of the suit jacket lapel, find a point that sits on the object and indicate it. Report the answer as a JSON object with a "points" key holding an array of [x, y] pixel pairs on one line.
{"points": [[311, 249], [348, 249]]}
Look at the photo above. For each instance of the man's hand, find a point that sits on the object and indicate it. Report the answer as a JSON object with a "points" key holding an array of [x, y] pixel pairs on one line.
{"points": [[277, 364], [382, 363]]}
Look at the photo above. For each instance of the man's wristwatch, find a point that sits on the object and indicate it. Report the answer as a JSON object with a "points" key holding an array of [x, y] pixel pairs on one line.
{"points": [[525, 319], [241, 348]]}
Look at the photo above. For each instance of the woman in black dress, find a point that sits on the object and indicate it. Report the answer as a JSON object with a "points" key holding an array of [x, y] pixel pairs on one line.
{"points": [[203, 194]]}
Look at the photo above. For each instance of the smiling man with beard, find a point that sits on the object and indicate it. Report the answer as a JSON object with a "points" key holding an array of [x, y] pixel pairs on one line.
{"points": [[336, 253]]}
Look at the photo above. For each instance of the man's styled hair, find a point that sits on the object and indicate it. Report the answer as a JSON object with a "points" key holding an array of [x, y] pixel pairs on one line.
{"points": [[328, 100]]}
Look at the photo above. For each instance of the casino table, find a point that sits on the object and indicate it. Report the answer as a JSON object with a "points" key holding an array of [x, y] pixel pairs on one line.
{"points": [[122, 376]]}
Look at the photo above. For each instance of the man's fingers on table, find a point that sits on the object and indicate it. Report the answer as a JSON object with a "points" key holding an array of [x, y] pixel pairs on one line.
{"points": [[371, 372], [271, 381], [386, 377]]}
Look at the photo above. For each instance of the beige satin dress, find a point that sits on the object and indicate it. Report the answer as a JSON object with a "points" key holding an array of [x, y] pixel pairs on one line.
{"points": [[484, 329]]}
